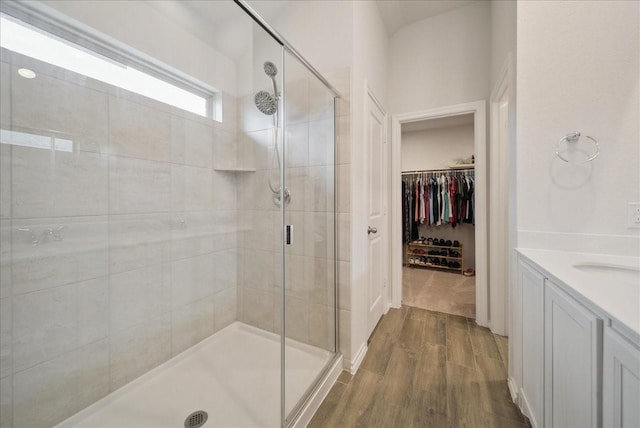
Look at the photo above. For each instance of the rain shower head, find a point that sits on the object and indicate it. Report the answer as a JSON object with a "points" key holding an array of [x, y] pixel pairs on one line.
{"points": [[266, 103], [270, 69]]}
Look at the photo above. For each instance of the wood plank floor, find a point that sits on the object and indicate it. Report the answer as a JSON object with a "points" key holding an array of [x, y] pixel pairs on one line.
{"points": [[439, 291], [425, 369]]}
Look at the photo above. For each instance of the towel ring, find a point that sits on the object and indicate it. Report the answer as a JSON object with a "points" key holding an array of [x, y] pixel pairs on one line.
{"points": [[573, 138]]}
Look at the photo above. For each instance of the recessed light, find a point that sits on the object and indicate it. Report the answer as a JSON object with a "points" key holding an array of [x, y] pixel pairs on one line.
{"points": [[26, 73]]}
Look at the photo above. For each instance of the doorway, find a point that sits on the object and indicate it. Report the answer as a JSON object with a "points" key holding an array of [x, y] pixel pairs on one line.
{"points": [[437, 162], [452, 114]]}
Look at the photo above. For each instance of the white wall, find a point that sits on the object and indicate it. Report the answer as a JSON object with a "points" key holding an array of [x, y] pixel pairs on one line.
{"points": [[137, 24], [441, 61], [502, 152], [369, 65], [503, 35], [436, 148], [305, 25], [578, 70]]}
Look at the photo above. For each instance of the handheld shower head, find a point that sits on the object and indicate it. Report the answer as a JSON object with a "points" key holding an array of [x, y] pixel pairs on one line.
{"points": [[270, 69], [266, 103]]}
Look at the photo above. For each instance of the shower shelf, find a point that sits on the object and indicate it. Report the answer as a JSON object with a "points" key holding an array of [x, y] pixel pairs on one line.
{"points": [[235, 169]]}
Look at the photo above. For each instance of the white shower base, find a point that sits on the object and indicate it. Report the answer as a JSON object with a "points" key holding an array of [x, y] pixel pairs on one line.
{"points": [[233, 375]]}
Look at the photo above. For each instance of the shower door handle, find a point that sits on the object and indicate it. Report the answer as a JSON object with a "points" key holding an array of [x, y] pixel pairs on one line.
{"points": [[288, 234], [371, 230]]}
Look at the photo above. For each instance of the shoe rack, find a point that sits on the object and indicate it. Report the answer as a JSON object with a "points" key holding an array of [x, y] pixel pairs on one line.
{"points": [[429, 254]]}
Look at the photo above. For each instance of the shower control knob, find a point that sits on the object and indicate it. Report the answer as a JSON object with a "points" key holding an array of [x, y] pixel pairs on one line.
{"points": [[371, 230]]}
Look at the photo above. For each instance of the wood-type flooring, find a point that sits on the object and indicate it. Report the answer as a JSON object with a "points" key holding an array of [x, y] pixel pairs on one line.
{"points": [[448, 292], [425, 369]]}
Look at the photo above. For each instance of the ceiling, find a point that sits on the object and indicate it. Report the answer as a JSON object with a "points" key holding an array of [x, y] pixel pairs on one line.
{"points": [[441, 122], [398, 13], [223, 25]]}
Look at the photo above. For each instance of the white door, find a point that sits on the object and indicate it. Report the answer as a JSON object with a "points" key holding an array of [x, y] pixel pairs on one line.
{"points": [[375, 200]]}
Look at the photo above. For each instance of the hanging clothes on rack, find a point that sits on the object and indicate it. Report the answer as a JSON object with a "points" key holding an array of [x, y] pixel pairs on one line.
{"points": [[405, 223], [452, 203], [426, 202], [435, 198], [415, 233]]}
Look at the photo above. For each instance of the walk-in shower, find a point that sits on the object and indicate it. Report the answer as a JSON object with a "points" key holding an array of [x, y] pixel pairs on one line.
{"points": [[145, 278]]}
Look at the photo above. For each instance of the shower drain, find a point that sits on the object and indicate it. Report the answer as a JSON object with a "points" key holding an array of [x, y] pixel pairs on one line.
{"points": [[196, 419]]}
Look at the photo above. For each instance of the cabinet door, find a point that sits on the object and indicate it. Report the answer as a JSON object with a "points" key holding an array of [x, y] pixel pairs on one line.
{"points": [[532, 290], [573, 336], [620, 382]]}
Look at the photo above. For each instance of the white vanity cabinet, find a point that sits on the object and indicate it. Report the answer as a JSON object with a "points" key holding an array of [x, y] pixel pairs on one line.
{"points": [[620, 381], [573, 340], [532, 325]]}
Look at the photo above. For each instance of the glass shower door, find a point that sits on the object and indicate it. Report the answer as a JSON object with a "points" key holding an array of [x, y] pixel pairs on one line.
{"points": [[309, 294]]}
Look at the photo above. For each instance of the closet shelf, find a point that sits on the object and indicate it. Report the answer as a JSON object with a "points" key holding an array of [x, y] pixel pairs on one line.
{"points": [[462, 166], [426, 260], [434, 246], [430, 265], [436, 256]]}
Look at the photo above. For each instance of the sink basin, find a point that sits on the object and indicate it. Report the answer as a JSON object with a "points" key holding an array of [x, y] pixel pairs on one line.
{"points": [[611, 272]]}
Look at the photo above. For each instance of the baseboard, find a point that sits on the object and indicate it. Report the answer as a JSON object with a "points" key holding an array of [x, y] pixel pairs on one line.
{"points": [[526, 409], [513, 390], [357, 359], [316, 399]]}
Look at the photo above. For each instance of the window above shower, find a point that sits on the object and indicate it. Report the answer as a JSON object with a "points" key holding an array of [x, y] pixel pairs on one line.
{"points": [[100, 60]]}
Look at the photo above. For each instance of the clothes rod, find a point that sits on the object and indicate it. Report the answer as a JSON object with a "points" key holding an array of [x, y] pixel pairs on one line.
{"points": [[432, 171]]}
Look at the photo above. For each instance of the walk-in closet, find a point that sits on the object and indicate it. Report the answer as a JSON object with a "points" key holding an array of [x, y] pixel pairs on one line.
{"points": [[438, 214]]}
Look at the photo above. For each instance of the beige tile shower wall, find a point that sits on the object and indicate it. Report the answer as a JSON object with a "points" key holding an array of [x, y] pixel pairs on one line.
{"points": [[145, 263], [259, 221]]}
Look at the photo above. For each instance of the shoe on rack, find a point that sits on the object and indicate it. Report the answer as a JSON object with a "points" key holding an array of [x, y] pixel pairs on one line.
{"points": [[469, 272]]}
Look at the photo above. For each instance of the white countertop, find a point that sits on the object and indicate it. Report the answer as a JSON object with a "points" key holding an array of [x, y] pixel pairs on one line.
{"points": [[615, 293]]}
